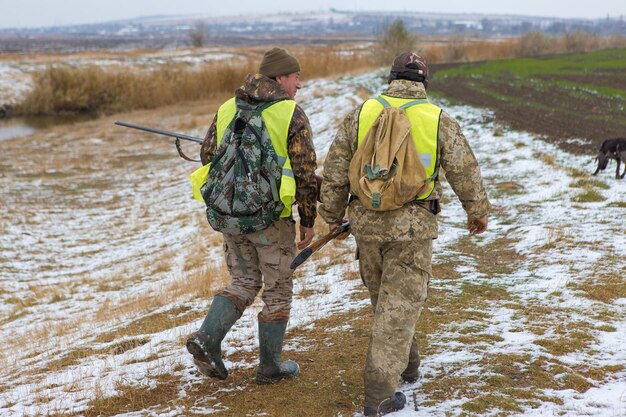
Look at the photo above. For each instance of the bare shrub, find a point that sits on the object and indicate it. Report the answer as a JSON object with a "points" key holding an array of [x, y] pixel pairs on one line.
{"points": [[581, 41], [455, 50], [618, 41], [394, 39], [198, 34], [533, 43]]}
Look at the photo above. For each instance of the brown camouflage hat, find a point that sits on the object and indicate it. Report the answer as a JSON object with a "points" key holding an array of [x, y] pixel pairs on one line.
{"points": [[410, 63], [277, 62]]}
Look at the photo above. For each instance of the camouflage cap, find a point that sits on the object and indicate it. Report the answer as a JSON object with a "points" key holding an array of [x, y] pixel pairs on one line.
{"points": [[409, 63]]}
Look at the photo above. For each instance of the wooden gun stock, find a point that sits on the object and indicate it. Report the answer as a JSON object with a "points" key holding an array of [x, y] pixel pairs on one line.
{"points": [[318, 244]]}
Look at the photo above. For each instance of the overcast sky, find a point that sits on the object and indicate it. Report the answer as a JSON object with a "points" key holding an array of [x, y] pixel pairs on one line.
{"points": [[32, 13]]}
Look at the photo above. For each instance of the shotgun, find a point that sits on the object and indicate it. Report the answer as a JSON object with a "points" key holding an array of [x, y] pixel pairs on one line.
{"points": [[178, 136], [318, 244]]}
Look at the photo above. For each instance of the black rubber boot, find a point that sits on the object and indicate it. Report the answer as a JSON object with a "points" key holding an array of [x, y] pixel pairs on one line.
{"points": [[271, 368], [205, 344], [394, 403], [412, 373]]}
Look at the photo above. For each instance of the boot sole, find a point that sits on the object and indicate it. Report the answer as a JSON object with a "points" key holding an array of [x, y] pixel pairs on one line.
{"points": [[268, 380], [205, 364]]}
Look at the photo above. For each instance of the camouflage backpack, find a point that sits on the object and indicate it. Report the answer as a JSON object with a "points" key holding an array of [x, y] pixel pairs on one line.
{"points": [[242, 188]]}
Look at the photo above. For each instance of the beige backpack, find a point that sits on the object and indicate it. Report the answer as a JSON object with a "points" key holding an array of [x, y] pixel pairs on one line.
{"points": [[386, 171]]}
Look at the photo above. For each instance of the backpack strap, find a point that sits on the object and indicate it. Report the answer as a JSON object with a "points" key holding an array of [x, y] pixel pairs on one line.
{"points": [[265, 105], [254, 108], [413, 103], [405, 106]]}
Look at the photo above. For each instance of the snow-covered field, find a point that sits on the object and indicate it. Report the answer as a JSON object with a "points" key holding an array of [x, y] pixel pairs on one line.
{"points": [[71, 252]]}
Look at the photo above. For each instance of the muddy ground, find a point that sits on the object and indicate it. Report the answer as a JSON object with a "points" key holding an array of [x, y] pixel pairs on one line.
{"points": [[560, 115]]}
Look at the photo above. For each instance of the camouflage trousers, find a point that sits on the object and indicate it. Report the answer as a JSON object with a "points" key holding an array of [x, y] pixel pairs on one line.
{"points": [[397, 276], [262, 259]]}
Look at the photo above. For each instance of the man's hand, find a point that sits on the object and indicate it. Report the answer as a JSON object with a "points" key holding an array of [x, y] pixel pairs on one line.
{"points": [[306, 237], [476, 225], [333, 226]]}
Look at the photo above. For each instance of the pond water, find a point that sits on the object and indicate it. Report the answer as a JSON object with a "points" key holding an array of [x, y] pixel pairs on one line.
{"points": [[23, 126]]}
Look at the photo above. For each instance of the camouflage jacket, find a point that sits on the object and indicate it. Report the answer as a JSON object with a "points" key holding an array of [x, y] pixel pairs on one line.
{"points": [[258, 88], [411, 221]]}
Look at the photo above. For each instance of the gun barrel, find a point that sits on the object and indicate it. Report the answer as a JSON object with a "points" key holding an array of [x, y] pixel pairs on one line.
{"points": [[160, 132]]}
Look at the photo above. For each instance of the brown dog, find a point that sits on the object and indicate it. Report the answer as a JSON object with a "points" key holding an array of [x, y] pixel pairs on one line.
{"points": [[612, 149]]}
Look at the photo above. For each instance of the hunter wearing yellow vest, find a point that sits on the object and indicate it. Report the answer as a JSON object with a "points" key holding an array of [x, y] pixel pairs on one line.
{"points": [[261, 259], [395, 246], [424, 118]]}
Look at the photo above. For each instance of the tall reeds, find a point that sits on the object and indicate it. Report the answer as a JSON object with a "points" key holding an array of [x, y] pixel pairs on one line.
{"points": [[63, 88], [90, 89]]}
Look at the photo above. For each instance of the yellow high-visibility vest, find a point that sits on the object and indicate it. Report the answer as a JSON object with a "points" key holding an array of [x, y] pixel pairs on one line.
{"points": [[277, 119], [424, 117]]}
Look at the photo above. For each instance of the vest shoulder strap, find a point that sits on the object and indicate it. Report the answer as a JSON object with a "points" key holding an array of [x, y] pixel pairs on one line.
{"points": [[414, 103], [405, 106], [382, 101]]}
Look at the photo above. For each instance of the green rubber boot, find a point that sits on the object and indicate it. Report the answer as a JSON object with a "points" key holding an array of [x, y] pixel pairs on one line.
{"points": [[205, 344], [271, 368]]}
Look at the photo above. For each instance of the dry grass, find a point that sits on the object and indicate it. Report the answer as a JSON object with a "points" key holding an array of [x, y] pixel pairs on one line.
{"points": [[590, 183], [460, 48], [548, 159], [132, 397], [555, 237], [332, 361], [446, 270], [588, 196], [329, 364], [606, 285], [199, 284], [76, 356], [63, 89], [152, 323], [495, 258], [510, 187]]}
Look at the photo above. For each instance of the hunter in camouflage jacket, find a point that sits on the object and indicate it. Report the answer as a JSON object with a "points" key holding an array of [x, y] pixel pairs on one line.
{"points": [[259, 88], [412, 221], [395, 247]]}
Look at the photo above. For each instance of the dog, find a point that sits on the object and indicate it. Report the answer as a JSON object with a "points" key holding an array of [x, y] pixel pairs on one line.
{"points": [[612, 149]]}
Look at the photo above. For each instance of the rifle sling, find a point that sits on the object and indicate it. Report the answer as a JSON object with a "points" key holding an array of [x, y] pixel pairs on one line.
{"points": [[182, 154]]}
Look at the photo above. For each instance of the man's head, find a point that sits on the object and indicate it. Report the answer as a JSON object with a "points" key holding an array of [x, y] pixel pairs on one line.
{"points": [[282, 67], [409, 66]]}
